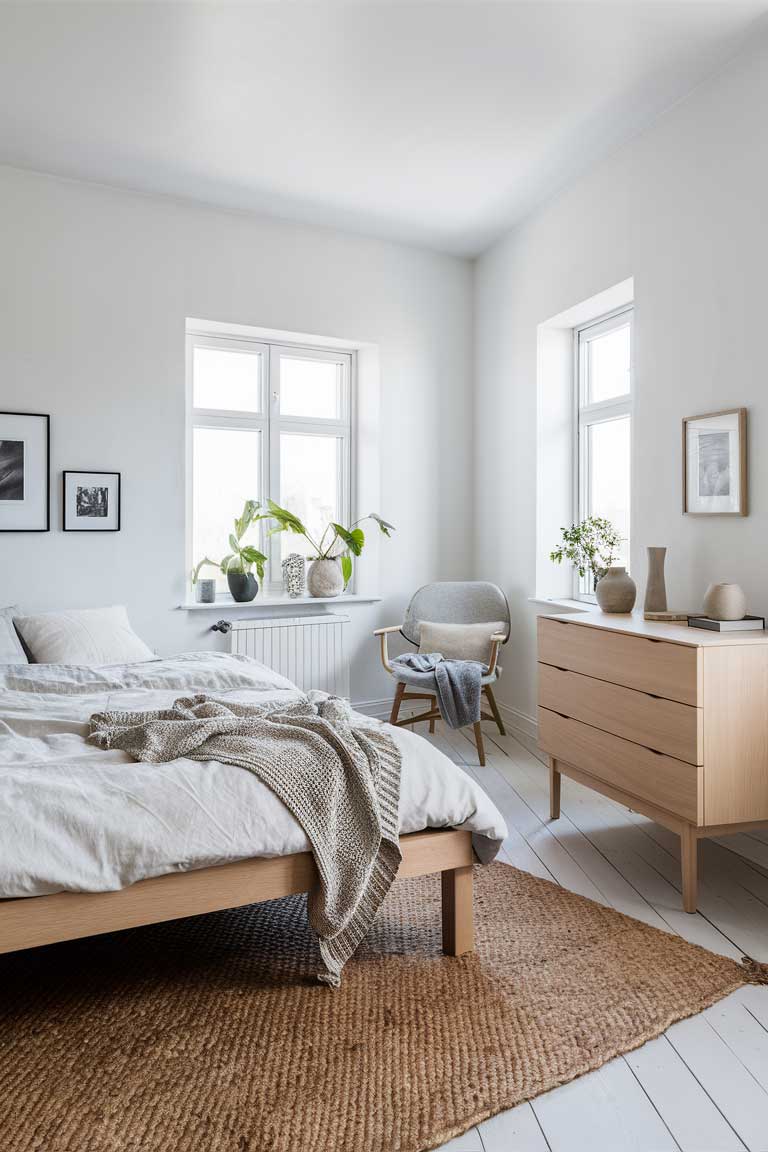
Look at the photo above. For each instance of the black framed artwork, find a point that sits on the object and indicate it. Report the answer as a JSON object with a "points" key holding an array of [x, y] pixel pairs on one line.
{"points": [[25, 472], [91, 502]]}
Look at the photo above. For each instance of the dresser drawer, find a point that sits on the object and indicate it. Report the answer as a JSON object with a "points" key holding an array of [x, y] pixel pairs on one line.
{"points": [[655, 666], [668, 783], [664, 725]]}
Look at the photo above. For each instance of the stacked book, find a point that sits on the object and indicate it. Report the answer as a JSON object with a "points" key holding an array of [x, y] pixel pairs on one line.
{"points": [[746, 624]]}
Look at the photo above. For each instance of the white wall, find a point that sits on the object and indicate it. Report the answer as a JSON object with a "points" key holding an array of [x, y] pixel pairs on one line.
{"points": [[95, 290], [683, 209]]}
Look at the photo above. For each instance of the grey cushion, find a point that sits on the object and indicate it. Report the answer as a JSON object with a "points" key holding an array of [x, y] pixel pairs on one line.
{"points": [[455, 602]]}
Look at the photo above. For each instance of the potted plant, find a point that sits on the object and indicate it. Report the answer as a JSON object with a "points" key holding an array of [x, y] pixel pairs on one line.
{"points": [[237, 565], [593, 546], [331, 568]]}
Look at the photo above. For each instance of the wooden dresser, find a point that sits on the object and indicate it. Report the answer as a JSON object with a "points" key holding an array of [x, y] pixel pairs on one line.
{"points": [[671, 721]]}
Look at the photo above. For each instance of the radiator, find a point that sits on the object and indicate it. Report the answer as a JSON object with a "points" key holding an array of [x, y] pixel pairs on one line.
{"points": [[309, 650]]}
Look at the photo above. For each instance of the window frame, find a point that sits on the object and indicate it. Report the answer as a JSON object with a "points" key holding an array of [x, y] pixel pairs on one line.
{"points": [[271, 423], [587, 414]]}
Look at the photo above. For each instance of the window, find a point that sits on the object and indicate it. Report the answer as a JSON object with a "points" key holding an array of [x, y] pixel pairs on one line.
{"points": [[603, 359], [268, 421]]}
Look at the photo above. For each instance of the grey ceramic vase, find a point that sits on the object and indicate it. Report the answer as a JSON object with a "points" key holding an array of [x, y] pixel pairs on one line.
{"points": [[243, 587], [616, 591], [324, 578], [206, 591], [655, 588]]}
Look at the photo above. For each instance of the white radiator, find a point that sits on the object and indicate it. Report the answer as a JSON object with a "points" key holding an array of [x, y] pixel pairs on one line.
{"points": [[309, 650]]}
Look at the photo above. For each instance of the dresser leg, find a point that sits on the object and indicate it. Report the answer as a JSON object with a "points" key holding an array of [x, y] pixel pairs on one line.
{"points": [[554, 790], [689, 857]]}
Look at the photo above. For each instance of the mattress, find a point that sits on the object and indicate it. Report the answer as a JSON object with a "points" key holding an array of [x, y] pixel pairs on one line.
{"points": [[79, 819]]}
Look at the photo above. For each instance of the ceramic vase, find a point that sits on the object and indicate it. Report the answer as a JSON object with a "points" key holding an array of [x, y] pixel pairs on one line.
{"points": [[616, 591], [324, 578], [242, 587], [655, 588], [294, 575], [725, 602], [205, 591]]}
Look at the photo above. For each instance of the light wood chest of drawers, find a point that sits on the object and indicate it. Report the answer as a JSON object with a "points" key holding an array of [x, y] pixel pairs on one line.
{"points": [[671, 721]]}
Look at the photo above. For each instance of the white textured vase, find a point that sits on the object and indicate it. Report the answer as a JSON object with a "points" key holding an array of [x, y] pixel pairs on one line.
{"points": [[324, 578], [725, 602], [616, 591]]}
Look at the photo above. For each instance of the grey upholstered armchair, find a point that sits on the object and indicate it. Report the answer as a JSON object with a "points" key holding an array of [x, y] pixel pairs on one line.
{"points": [[449, 602]]}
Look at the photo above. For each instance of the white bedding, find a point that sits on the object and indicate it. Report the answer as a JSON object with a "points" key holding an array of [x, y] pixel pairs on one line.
{"points": [[75, 818]]}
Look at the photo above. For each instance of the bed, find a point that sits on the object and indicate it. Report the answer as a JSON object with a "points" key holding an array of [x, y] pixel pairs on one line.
{"points": [[94, 842]]}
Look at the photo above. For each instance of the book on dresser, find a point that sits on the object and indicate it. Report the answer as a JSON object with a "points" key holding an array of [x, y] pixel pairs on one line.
{"points": [[670, 720]]}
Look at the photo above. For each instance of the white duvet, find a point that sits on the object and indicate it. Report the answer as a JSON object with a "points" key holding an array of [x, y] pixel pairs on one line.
{"points": [[75, 818]]}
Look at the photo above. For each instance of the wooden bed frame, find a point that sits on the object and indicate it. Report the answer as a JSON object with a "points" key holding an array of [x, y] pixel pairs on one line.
{"points": [[35, 920]]}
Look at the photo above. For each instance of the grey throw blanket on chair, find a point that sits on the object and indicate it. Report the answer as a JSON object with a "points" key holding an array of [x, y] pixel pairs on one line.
{"points": [[341, 783], [458, 684]]}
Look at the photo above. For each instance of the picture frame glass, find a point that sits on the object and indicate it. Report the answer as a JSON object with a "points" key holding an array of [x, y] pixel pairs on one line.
{"points": [[91, 501], [24, 472], [713, 452]]}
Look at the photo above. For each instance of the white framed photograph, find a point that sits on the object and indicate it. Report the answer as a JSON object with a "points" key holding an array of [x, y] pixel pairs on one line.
{"points": [[91, 502], [25, 472], [715, 464]]}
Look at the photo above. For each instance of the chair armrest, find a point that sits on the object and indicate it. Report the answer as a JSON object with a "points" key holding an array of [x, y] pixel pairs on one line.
{"points": [[391, 628], [382, 633], [497, 640]]}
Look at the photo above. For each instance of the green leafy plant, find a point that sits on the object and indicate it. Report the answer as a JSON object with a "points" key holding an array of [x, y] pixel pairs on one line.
{"points": [[242, 557], [591, 546], [336, 543]]}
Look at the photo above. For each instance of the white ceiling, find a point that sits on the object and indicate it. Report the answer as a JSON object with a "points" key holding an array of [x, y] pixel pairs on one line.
{"points": [[438, 123]]}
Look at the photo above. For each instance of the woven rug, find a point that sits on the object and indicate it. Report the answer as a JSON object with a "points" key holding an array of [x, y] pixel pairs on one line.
{"points": [[211, 1035]]}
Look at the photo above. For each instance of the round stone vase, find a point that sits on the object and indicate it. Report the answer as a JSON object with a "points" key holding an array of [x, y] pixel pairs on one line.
{"points": [[243, 587], [725, 602], [324, 578], [616, 591]]}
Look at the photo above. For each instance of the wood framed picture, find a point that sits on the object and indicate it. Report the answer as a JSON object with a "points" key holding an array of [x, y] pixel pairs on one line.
{"points": [[715, 464], [25, 472], [91, 502]]}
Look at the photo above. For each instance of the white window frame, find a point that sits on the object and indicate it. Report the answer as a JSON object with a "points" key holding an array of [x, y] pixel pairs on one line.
{"points": [[270, 422], [586, 415]]}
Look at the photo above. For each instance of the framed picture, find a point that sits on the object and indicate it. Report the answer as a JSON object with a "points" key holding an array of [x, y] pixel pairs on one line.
{"points": [[91, 501], [25, 472], [715, 464]]}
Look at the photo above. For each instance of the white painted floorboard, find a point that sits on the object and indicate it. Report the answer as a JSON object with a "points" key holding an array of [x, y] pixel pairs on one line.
{"points": [[703, 1085]]}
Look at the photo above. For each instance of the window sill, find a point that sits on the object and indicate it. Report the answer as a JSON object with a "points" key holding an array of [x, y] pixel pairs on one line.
{"points": [[560, 602], [225, 603]]}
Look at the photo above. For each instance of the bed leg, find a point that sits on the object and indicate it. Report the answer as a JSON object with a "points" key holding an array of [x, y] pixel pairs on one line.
{"points": [[458, 918]]}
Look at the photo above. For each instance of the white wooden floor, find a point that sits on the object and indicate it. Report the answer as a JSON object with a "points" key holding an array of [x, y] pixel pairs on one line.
{"points": [[703, 1085]]}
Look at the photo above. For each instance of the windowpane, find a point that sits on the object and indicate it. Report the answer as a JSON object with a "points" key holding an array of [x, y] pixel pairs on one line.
{"points": [[226, 379], [310, 388], [310, 473], [608, 464], [608, 369], [226, 467]]}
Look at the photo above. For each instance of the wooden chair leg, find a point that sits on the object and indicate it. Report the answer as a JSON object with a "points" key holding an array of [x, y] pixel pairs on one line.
{"points": [[689, 859], [432, 721], [396, 703], [479, 742], [554, 790], [458, 919], [494, 709]]}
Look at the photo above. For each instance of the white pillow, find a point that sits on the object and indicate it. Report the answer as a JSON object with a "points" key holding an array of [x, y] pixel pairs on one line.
{"points": [[11, 651], [459, 641], [87, 636]]}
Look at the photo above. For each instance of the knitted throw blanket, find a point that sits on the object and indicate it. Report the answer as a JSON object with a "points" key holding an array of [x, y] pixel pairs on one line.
{"points": [[341, 783]]}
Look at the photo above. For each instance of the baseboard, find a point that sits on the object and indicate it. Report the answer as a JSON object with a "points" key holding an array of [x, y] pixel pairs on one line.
{"points": [[380, 709]]}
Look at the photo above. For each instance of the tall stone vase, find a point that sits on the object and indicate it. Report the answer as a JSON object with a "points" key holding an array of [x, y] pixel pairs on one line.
{"points": [[655, 588]]}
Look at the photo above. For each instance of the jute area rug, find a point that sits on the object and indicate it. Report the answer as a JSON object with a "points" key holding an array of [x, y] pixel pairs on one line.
{"points": [[210, 1035]]}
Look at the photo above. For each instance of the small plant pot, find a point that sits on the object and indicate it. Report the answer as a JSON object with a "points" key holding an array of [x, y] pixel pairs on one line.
{"points": [[325, 578], [242, 587], [205, 591], [616, 591]]}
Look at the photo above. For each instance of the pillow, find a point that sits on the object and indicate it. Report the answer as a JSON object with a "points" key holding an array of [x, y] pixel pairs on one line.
{"points": [[11, 651], [83, 636], [459, 641]]}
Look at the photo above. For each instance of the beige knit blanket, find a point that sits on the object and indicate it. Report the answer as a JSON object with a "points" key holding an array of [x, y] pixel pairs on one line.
{"points": [[340, 783]]}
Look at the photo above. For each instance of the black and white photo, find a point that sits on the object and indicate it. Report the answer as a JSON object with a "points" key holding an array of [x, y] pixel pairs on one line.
{"points": [[715, 464], [91, 501], [24, 472]]}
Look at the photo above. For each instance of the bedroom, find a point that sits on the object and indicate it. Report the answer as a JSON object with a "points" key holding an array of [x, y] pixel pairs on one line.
{"points": [[411, 223]]}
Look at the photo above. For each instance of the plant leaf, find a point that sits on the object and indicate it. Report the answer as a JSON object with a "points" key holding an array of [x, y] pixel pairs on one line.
{"points": [[384, 525], [354, 539], [286, 519], [346, 568], [234, 543]]}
